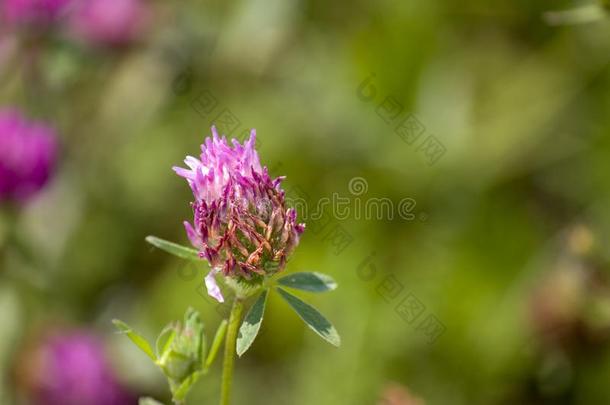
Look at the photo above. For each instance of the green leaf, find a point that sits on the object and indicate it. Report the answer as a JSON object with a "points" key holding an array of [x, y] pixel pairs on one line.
{"points": [[195, 335], [173, 248], [162, 348], [149, 401], [218, 338], [135, 338], [314, 319], [251, 324], [177, 366], [308, 281]]}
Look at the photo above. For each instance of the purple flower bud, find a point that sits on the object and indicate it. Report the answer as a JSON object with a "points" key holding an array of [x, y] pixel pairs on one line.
{"points": [[21, 12], [27, 156], [105, 22], [71, 368], [241, 226]]}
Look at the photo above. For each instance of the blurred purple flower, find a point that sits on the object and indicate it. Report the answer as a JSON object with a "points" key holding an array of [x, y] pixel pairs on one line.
{"points": [[241, 226], [70, 368], [27, 155], [106, 22], [19, 12]]}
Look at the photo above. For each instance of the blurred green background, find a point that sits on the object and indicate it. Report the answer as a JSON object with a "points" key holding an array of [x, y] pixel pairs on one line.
{"points": [[497, 291]]}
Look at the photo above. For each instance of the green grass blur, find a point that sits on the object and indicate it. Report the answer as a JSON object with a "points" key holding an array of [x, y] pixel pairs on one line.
{"points": [[506, 250]]}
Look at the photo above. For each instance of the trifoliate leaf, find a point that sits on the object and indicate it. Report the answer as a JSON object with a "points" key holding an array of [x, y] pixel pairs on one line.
{"points": [[251, 324], [308, 281], [314, 319]]}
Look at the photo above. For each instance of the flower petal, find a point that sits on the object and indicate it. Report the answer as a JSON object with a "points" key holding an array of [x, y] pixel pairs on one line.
{"points": [[192, 235], [212, 286]]}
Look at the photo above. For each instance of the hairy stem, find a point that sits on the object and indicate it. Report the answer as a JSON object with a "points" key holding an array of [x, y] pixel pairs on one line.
{"points": [[229, 354]]}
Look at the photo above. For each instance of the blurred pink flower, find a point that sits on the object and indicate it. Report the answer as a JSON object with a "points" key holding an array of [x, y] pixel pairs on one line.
{"points": [[71, 368], [108, 22], [28, 152], [19, 12]]}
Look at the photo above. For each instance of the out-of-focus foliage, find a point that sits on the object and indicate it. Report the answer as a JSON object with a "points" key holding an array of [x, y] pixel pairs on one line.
{"points": [[495, 290]]}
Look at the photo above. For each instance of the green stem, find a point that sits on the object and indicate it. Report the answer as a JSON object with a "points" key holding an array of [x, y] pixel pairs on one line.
{"points": [[229, 355], [173, 388], [220, 334]]}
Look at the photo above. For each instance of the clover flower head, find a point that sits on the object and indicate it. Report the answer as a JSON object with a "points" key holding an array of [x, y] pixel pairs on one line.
{"points": [[27, 156], [241, 225]]}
